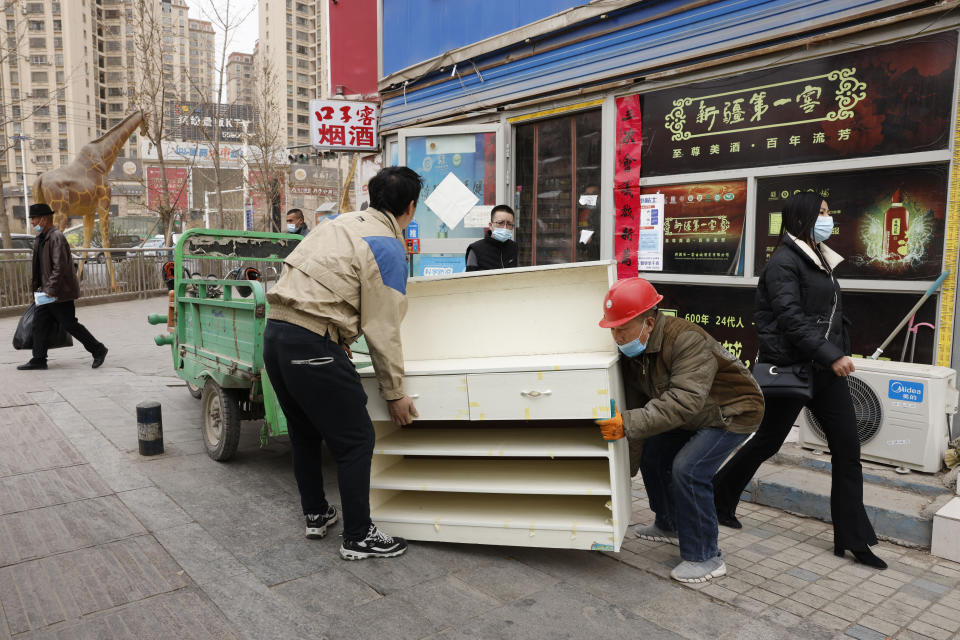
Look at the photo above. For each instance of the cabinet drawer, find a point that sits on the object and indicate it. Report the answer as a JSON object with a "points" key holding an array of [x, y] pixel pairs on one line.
{"points": [[546, 395], [436, 397]]}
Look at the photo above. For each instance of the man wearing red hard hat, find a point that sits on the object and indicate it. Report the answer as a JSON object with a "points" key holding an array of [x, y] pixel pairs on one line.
{"points": [[689, 403]]}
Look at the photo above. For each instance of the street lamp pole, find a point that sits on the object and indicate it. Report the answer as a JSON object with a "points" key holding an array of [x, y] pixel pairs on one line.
{"points": [[23, 175]]}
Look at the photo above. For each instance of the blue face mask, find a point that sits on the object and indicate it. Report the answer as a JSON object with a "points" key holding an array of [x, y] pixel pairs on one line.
{"points": [[502, 235], [822, 228], [291, 228], [38, 228], [633, 348]]}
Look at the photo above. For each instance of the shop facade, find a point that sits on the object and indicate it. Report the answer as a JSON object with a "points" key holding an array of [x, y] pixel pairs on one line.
{"points": [[666, 136]]}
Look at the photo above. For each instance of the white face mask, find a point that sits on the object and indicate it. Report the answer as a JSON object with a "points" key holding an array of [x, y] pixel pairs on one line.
{"points": [[291, 228]]}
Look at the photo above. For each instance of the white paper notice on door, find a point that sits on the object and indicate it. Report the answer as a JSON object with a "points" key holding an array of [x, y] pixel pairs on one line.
{"points": [[650, 232], [478, 216], [451, 200]]}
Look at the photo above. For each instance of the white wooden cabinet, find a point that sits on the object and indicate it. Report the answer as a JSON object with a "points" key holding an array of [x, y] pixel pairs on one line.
{"points": [[508, 370]]}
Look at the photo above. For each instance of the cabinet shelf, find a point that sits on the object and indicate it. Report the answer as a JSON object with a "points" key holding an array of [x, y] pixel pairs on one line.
{"points": [[570, 442], [555, 477], [559, 513]]}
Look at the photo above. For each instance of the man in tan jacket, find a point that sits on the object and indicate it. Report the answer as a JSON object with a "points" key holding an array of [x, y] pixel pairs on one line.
{"points": [[346, 279], [689, 404]]}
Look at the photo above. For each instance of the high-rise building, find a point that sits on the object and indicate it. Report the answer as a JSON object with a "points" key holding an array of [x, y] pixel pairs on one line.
{"points": [[202, 85], [291, 40], [240, 72], [68, 73]]}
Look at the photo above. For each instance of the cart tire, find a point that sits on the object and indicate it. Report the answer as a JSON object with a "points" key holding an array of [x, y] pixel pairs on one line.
{"points": [[221, 421], [195, 391]]}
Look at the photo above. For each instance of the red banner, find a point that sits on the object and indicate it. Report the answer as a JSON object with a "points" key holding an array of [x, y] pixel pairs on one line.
{"points": [[176, 187], [626, 193]]}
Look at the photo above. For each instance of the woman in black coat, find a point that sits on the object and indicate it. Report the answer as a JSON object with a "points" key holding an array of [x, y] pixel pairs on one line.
{"points": [[799, 318]]}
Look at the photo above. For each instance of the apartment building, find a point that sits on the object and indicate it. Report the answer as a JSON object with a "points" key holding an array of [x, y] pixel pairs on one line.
{"points": [[292, 40], [240, 72], [201, 62], [68, 74]]}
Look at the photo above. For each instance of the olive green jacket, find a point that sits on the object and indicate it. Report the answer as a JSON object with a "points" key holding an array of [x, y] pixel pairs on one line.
{"points": [[684, 379]]}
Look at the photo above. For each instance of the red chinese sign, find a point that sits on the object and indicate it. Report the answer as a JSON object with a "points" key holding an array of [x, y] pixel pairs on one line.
{"points": [[341, 124], [626, 193], [176, 188]]}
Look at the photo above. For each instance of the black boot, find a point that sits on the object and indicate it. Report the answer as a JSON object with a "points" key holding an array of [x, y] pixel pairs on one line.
{"points": [[866, 557], [33, 364]]}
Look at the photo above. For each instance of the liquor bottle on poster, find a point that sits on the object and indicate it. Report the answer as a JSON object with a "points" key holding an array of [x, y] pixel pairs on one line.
{"points": [[895, 224]]}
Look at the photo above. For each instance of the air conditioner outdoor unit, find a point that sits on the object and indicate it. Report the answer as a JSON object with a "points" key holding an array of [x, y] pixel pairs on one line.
{"points": [[902, 413]]}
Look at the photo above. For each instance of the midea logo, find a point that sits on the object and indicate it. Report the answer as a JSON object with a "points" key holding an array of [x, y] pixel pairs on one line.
{"points": [[898, 387]]}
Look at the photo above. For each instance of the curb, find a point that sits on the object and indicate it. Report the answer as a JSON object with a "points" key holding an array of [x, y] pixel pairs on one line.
{"points": [[898, 515]]}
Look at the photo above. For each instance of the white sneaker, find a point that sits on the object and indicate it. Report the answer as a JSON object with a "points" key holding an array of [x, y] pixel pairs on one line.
{"points": [[655, 534], [317, 523], [688, 571]]}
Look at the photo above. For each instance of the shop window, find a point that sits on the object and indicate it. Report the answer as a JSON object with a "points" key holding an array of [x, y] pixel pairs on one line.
{"points": [[557, 189]]}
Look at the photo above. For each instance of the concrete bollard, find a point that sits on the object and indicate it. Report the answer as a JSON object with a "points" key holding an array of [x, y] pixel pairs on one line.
{"points": [[149, 428]]}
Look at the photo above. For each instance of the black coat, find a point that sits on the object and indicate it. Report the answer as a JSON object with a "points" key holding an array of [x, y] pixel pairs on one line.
{"points": [[795, 299], [492, 254]]}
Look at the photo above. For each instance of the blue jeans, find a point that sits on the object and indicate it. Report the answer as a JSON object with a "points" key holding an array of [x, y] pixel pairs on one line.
{"points": [[677, 468]]}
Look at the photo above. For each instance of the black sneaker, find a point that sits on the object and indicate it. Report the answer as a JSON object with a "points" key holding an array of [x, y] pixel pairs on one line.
{"points": [[376, 545], [317, 523]]}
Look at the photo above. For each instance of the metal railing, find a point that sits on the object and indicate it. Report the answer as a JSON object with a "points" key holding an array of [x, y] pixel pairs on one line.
{"points": [[138, 272]]}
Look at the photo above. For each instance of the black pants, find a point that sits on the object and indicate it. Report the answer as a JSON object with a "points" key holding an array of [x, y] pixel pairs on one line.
{"points": [[323, 401], [833, 408], [64, 313]]}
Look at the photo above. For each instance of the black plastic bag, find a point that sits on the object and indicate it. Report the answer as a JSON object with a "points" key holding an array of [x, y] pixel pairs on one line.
{"points": [[23, 336]]}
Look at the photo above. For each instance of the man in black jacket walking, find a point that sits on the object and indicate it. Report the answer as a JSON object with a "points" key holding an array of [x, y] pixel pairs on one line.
{"points": [[55, 288], [496, 250]]}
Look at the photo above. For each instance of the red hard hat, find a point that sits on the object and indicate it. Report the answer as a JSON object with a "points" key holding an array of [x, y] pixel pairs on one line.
{"points": [[626, 300]]}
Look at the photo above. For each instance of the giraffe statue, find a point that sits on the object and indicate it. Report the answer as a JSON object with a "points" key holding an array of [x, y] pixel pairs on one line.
{"points": [[81, 187]]}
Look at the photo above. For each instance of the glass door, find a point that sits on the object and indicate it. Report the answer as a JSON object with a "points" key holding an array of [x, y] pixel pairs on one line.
{"points": [[473, 156]]}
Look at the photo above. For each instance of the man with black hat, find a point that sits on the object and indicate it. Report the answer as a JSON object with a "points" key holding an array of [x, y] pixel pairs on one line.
{"points": [[55, 288]]}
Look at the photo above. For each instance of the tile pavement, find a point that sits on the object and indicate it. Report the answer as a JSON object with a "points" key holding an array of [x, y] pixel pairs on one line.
{"points": [[96, 542]]}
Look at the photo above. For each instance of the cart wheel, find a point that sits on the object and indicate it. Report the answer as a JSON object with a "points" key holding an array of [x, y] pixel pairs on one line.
{"points": [[194, 390], [221, 421]]}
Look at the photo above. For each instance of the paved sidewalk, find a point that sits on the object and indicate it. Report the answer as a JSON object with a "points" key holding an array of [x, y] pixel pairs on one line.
{"points": [[97, 542]]}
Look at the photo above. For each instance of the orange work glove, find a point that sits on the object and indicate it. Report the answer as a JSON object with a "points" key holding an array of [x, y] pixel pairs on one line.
{"points": [[612, 428]]}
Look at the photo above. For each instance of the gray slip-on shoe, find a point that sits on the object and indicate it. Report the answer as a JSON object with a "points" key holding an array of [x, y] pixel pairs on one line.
{"points": [[655, 534], [688, 571]]}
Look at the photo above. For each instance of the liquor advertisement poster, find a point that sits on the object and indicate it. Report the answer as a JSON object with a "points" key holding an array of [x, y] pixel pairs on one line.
{"points": [[888, 223], [726, 313], [703, 227], [626, 193], [882, 100]]}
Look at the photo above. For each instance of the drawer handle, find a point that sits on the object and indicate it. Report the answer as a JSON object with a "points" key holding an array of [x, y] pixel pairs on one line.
{"points": [[535, 394]]}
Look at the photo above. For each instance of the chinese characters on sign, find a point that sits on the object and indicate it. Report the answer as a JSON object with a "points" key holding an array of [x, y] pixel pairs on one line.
{"points": [[650, 233], [703, 227], [888, 223], [824, 109], [626, 193], [176, 188], [341, 124]]}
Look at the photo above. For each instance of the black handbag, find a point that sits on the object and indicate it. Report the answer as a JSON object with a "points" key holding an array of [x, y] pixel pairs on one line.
{"points": [[785, 381], [23, 336]]}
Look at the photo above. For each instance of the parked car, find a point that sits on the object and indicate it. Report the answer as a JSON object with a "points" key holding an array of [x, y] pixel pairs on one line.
{"points": [[153, 243], [117, 242], [22, 241]]}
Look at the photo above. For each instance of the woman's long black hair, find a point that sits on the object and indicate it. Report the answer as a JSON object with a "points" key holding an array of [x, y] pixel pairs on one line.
{"points": [[798, 217]]}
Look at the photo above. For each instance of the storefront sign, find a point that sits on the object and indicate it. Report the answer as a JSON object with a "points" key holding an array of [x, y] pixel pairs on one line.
{"points": [[198, 153], [626, 193], [428, 265], [200, 121], [176, 179], [726, 313], [341, 124], [890, 99], [888, 223], [703, 227]]}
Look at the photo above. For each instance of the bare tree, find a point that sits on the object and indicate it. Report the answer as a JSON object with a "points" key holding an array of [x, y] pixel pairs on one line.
{"points": [[266, 140], [154, 90], [225, 16]]}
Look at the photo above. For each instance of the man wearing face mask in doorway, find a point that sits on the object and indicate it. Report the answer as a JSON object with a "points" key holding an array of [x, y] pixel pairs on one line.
{"points": [[497, 250], [295, 223], [688, 404]]}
